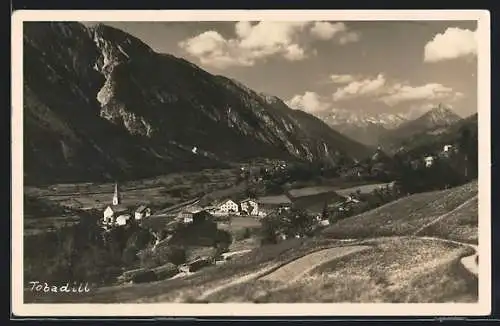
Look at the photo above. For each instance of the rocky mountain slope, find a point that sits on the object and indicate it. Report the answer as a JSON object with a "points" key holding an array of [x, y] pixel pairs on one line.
{"points": [[361, 126], [100, 104], [432, 123], [428, 142]]}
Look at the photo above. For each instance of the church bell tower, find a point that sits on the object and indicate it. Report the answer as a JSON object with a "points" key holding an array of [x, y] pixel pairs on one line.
{"points": [[116, 196]]}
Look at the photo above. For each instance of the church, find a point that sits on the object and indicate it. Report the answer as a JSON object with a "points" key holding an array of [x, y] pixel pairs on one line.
{"points": [[116, 214]]}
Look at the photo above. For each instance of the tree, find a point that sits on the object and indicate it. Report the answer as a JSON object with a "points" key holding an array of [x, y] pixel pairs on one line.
{"points": [[324, 213], [465, 146], [270, 228]]}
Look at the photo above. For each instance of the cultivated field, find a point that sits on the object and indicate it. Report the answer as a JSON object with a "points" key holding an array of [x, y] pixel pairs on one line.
{"points": [[160, 191], [36, 225], [408, 215]]}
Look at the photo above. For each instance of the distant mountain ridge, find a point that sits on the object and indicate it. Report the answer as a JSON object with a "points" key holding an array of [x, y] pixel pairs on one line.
{"points": [[433, 122], [361, 126], [100, 104]]}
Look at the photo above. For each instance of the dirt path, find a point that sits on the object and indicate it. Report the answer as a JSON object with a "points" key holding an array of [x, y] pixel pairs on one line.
{"points": [[296, 269], [469, 262], [291, 271]]}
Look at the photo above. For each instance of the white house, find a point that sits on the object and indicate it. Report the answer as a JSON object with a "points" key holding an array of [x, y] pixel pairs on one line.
{"points": [[350, 199], [447, 148], [250, 206], [142, 212], [429, 160], [122, 219], [113, 212], [227, 206], [324, 222]]}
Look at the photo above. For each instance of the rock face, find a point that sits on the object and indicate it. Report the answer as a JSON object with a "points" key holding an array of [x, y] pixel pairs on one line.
{"points": [[100, 104]]}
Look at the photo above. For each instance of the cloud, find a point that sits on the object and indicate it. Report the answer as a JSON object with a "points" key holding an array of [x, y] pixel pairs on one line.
{"points": [[390, 92], [453, 43], [326, 30], [350, 37], [309, 102], [398, 93], [360, 88], [258, 41], [341, 79]]}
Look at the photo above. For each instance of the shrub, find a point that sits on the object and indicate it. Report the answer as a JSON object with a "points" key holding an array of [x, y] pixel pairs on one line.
{"points": [[162, 255], [144, 277], [165, 271]]}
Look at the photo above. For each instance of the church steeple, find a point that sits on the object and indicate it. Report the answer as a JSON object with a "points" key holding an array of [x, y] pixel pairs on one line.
{"points": [[116, 196]]}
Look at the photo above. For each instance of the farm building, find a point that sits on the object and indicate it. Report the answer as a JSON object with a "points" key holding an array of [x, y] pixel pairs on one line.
{"points": [[142, 212], [271, 202], [193, 214], [429, 160], [250, 206], [112, 212], [226, 206], [122, 220]]}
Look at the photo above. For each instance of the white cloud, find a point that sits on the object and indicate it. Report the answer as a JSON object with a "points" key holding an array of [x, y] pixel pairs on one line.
{"points": [[350, 37], [309, 102], [294, 52], [341, 79], [398, 93], [359, 88], [453, 43], [390, 92], [258, 41], [326, 30]]}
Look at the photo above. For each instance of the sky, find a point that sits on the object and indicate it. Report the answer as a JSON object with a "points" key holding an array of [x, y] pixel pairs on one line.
{"points": [[403, 67]]}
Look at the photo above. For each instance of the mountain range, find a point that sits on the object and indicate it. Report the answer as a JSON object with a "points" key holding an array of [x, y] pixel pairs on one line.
{"points": [[389, 131], [433, 123], [99, 104], [362, 126]]}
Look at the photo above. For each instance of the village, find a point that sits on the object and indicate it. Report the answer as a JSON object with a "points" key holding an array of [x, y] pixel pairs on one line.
{"points": [[209, 217]]}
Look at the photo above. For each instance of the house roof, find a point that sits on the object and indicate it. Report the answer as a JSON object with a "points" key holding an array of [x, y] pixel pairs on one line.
{"points": [[193, 209], [222, 201], [247, 200], [309, 191], [141, 209], [274, 200], [118, 208]]}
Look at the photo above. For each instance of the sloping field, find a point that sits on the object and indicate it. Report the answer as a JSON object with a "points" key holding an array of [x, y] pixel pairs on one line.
{"points": [[462, 225], [384, 270], [407, 215]]}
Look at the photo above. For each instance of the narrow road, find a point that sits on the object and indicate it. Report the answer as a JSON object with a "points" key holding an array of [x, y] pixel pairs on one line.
{"points": [[469, 262], [296, 269]]}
